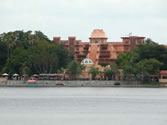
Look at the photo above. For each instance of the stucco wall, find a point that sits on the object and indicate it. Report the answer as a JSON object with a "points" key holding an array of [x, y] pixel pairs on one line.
{"points": [[3, 80], [75, 83], [163, 80]]}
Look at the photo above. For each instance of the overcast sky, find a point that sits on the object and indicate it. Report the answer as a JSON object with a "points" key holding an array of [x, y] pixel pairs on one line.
{"points": [[79, 17]]}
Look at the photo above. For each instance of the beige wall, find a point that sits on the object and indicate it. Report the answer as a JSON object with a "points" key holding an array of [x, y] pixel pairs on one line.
{"points": [[3, 79], [163, 80]]}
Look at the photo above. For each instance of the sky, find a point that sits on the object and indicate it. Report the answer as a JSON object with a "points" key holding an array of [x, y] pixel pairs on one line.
{"points": [[78, 18]]}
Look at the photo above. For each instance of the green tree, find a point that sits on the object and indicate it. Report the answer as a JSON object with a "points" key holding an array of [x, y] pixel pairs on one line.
{"points": [[149, 41], [74, 69], [62, 53], [111, 71], [149, 66], [126, 58], [93, 71], [3, 55], [43, 58], [21, 39], [82, 67], [149, 50], [108, 73], [24, 70], [130, 69], [8, 39], [20, 57]]}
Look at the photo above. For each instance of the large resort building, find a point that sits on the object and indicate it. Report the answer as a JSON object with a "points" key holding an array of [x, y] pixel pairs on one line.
{"points": [[98, 49]]}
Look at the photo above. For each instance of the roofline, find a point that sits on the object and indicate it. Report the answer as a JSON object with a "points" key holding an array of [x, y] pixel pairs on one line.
{"points": [[132, 37], [98, 38]]}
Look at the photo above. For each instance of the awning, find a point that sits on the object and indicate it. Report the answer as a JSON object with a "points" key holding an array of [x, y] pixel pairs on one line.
{"points": [[163, 72]]}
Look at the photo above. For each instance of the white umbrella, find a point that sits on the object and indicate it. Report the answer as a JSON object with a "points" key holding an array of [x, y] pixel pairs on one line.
{"points": [[35, 75], [5, 74], [15, 74]]}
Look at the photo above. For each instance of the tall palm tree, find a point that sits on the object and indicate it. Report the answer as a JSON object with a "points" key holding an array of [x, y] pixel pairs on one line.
{"points": [[10, 42]]}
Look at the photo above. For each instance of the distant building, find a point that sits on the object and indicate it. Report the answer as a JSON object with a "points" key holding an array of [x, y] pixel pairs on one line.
{"points": [[98, 49]]}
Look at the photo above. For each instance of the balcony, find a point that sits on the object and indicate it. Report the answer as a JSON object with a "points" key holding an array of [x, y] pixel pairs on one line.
{"points": [[103, 48], [103, 45], [77, 45], [77, 52], [104, 52], [85, 51], [106, 59], [105, 56], [86, 48], [81, 56], [86, 45], [119, 51], [76, 49]]}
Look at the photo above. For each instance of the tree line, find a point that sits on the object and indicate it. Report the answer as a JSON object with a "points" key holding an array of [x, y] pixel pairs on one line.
{"points": [[31, 52]]}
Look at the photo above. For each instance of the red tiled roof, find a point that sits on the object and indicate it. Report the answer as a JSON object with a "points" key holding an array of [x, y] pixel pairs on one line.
{"points": [[163, 72], [132, 37]]}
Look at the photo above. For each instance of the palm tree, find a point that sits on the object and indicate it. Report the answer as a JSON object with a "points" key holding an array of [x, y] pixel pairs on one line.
{"points": [[112, 71], [8, 39], [93, 71], [24, 70], [74, 69]]}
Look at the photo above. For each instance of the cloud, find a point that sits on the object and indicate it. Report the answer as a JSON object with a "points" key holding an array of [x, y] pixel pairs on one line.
{"points": [[80, 17]]}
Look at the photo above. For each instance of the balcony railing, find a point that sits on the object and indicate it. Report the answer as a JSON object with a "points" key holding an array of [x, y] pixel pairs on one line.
{"points": [[104, 52], [105, 56]]}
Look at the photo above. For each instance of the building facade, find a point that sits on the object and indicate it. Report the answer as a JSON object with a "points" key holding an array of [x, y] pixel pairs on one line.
{"points": [[98, 49]]}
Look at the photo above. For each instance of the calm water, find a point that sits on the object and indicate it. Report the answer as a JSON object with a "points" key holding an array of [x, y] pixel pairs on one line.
{"points": [[83, 106]]}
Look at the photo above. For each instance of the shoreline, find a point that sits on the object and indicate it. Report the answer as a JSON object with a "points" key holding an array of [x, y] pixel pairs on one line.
{"points": [[78, 83]]}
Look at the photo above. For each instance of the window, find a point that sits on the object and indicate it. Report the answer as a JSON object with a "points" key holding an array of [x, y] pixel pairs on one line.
{"points": [[77, 42], [139, 41], [127, 42], [126, 48], [96, 41], [104, 48], [86, 61]]}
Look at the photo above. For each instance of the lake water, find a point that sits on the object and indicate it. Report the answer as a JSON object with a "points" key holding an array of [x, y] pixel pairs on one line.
{"points": [[83, 106]]}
